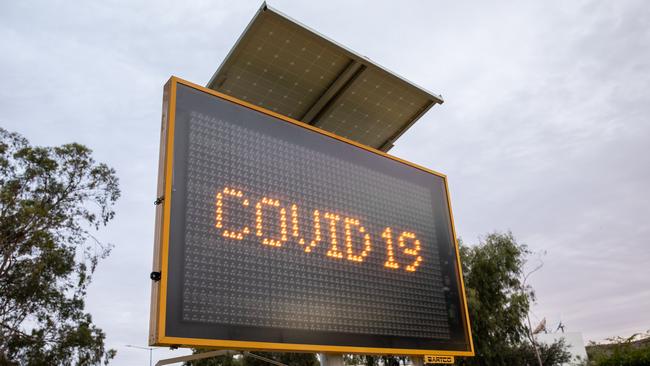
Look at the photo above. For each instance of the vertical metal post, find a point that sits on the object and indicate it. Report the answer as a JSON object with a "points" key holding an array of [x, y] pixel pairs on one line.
{"points": [[151, 349], [330, 359], [196, 356]]}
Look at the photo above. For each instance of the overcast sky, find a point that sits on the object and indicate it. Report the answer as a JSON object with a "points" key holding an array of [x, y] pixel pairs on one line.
{"points": [[545, 129]]}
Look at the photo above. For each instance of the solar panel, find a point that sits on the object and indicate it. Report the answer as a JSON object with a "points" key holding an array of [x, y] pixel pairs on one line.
{"points": [[283, 66], [372, 108]]}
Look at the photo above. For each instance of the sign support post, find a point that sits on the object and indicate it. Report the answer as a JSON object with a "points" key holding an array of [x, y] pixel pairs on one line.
{"points": [[198, 356], [330, 359], [204, 355]]}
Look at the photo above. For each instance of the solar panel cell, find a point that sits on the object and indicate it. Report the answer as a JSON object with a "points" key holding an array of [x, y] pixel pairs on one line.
{"points": [[287, 68]]}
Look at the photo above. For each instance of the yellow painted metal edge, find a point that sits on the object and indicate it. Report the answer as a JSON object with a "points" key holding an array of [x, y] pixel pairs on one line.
{"points": [[160, 214], [460, 270], [167, 210], [297, 347], [162, 340]]}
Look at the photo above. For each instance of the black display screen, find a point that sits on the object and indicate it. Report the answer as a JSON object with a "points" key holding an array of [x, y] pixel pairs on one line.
{"points": [[282, 234]]}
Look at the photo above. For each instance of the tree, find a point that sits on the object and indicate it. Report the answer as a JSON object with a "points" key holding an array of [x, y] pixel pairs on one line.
{"points": [[498, 301], [370, 360], [291, 359], [287, 358], [550, 354], [225, 360], [51, 199], [354, 360]]}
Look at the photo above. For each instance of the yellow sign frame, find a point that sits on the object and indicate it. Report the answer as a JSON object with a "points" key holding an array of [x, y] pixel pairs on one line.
{"points": [[157, 336]]}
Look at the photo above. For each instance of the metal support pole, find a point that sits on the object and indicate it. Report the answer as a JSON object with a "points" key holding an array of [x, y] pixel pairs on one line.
{"points": [[248, 354], [331, 359], [150, 349], [198, 356]]}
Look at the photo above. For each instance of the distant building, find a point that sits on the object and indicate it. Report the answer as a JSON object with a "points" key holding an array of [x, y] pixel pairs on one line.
{"points": [[634, 342]]}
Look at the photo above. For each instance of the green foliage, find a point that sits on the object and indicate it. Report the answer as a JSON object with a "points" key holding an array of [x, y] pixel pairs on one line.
{"points": [[291, 359], [226, 360], [369, 360], [50, 200], [632, 351], [498, 303], [524, 354], [287, 358], [360, 360]]}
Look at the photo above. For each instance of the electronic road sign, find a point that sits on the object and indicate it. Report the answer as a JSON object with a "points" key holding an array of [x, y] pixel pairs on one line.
{"points": [[275, 235]]}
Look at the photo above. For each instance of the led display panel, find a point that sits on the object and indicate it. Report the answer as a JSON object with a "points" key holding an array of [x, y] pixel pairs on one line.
{"points": [[275, 235]]}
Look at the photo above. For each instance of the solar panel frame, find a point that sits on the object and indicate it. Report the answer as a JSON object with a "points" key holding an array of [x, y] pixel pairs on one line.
{"points": [[330, 91]]}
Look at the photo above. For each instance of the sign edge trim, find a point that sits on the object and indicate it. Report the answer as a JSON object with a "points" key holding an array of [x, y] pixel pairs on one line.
{"points": [[162, 339]]}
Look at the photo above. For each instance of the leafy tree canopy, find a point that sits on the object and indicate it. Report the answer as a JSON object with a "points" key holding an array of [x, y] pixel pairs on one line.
{"points": [[370, 360], [290, 359], [51, 199], [498, 301]]}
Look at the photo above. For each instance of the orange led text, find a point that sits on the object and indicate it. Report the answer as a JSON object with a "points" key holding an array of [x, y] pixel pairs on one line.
{"points": [[275, 222]]}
